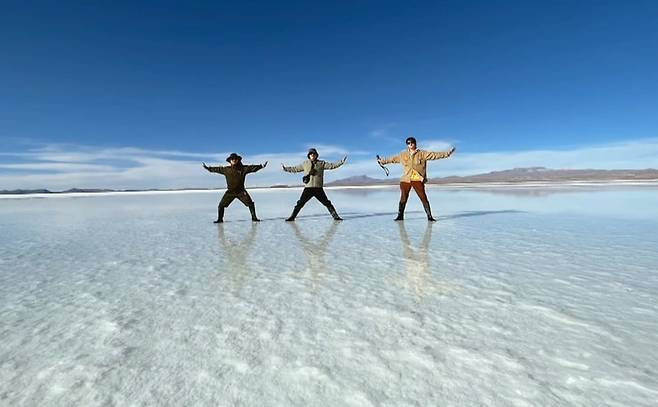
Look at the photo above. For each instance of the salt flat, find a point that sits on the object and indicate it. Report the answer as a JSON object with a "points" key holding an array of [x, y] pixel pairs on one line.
{"points": [[520, 297]]}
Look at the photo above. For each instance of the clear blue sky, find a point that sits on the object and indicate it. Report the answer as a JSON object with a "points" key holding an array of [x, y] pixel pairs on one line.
{"points": [[263, 77]]}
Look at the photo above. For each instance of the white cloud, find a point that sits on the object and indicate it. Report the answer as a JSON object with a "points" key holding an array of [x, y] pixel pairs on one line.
{"points": [[59, 167], [625, 155], [383, 134], [56, 166], [436, 145]]}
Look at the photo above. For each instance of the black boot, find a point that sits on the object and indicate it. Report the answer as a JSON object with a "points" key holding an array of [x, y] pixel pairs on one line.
{"points": [[295, 211], [428, 211], [252, 209], [401, 207], [333, 213], [220, 215]]}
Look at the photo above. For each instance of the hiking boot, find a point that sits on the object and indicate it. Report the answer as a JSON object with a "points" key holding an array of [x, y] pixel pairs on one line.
{"points": [[220, 215], [294, 213], [428, 211], [252, 209], [333, 213], [401, 207]]}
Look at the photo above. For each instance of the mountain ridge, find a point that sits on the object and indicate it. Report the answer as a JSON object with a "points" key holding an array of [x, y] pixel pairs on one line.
{"points": [[514, 175], [523, 174]]}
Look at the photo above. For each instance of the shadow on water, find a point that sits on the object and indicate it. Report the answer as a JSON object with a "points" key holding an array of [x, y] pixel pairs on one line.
{"points": [[300, 217], [468, 214], [455, 216], [360, 215]]}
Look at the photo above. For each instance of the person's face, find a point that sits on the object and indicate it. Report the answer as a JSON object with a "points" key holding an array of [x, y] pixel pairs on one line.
{"points": [[411, 145], [233, 162], [313, 156]]}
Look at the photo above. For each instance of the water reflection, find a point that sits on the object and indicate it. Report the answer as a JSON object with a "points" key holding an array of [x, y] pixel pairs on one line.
{"points": [[236, 250], [418, 279], [315, 250]]}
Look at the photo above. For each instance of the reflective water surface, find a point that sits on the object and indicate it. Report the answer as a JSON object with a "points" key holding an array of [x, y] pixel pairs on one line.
{"points": [[515, 297]]}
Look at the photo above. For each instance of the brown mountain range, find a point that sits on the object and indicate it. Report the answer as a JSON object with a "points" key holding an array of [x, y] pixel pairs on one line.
{"points": [[519, 175], [516, 175]]}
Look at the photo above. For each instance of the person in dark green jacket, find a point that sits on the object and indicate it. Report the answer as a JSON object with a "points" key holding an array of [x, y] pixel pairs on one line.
{"points": [[235, 174]]}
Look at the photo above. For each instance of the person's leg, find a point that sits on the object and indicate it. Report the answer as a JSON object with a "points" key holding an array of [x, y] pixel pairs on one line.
{"points": [[405, 188], [306, 195], [419, 187], [324, 200], [249, 203], [224, 203]]}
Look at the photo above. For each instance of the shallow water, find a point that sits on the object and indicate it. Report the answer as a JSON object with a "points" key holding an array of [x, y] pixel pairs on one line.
{"points": [[521, 298]]}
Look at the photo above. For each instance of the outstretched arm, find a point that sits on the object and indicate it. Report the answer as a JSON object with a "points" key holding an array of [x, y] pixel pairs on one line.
{"points": [[333, 166], [437, 155], [219, 169], [389, 160], [254, 168], [296, 168]]}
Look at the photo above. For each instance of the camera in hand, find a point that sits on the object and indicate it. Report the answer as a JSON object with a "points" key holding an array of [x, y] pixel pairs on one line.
{"points": [[306, 178]]}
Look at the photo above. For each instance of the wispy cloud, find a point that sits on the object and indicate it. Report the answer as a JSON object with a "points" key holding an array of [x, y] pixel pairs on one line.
{"points": [[384, 134], [56, 167], [331, 150], [437, 145], [59, 167], [624, 155]]}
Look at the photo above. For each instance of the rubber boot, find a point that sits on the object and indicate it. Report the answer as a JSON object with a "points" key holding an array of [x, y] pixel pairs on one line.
{"points": [[252, 209], [220, 214], [428, 211], [295, 211], [333, 213], [401, 207]]}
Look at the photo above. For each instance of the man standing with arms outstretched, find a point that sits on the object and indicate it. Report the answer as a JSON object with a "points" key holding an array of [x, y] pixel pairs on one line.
{"points": [[235, 174], [414, 173], [313, 178]]}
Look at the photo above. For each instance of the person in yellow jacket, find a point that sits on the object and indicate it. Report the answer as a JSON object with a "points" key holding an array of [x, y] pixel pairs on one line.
{"points": [[414, 173]]}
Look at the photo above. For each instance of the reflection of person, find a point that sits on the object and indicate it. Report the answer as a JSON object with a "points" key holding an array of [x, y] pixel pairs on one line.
{"points": [[414, 175], [315, 250], [313, 170], [237, 253], [235, 174], [417, 265]]}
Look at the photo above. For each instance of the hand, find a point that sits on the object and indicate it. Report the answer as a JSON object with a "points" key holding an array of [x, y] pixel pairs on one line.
{"points": [[204, 165], [452, 150], [283, 166], [379, 160], [344, 159]]}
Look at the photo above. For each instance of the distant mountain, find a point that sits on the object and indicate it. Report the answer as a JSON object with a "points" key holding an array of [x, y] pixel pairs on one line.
{"points": [[86, 190], [515, 175], [520, 175], [542, 174], [82, 190], [360, 180], [47, 191], [24, 191]]}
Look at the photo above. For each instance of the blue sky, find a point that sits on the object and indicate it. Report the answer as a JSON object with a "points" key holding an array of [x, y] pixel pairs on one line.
{"points": [[135, 94]]}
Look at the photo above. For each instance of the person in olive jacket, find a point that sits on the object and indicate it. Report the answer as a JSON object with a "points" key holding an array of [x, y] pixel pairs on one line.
{"points": [[414, 173], [235, 174], [313, 178]]}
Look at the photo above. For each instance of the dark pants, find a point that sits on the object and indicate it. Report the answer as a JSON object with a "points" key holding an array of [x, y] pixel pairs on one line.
{"points": [[316, 192], [309, 193], [229, 196], [418, 186]]}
